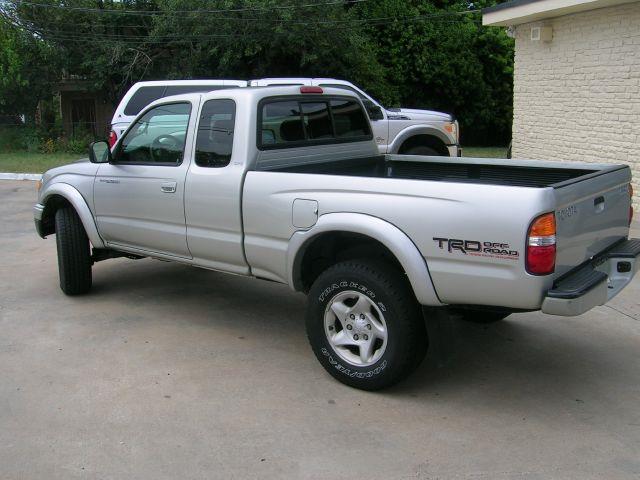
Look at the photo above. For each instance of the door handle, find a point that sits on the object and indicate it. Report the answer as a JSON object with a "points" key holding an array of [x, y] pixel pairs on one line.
{"points": [[169, 187]]}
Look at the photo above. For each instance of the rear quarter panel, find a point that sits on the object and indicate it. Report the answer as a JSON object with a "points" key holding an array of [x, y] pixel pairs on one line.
{"points": [[423, 210]]}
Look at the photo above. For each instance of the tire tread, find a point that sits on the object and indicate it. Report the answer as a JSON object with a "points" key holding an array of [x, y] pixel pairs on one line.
{"points": [[74, 253]]}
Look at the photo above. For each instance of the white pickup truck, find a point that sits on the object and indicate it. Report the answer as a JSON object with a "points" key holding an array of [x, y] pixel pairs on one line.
{"points": [[396, 130], [287, 184]]}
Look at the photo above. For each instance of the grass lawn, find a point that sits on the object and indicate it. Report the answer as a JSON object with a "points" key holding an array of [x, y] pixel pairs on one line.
{"points": [[25, 162], [484, 152]]}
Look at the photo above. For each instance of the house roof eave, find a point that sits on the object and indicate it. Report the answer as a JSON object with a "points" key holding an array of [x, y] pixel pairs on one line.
{"points": [[516, 12]]}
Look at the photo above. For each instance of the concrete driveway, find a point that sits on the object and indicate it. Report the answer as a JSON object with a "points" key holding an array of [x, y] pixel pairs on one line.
{"points": [[171, 372]]}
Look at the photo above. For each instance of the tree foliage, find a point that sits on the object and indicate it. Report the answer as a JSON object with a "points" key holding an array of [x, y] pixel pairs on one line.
{"points": [[28, 71], [424, 54]]}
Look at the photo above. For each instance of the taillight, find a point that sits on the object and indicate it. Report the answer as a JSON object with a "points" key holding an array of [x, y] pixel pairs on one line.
{"points": [[541, 245], [113, 138], [630, 204]]}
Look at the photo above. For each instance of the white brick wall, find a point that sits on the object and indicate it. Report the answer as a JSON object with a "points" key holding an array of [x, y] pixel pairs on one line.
{"points": [[577, 98]]}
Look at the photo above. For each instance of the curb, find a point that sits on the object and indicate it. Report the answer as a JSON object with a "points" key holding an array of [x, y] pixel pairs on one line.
{"points": [[20, 176]]}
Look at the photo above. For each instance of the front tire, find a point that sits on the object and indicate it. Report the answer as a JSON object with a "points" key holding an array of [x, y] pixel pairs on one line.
{"points": [[364, 324], [74, 253], [423, 150]]}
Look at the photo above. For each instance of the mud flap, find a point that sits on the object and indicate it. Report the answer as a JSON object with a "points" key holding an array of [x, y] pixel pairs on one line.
{"points": [[440, 329]]}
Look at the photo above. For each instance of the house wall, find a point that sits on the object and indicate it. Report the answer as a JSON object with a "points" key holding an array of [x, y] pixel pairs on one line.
{"points": [[577, 98]]}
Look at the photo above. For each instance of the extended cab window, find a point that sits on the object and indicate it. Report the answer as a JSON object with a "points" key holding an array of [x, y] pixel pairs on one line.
{"points": [[157, 137], [215, 133], [299, 122]]}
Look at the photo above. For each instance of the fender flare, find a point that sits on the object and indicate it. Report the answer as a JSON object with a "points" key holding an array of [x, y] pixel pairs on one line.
{"points": [[77, 201], [398, 243], [413, 131]]}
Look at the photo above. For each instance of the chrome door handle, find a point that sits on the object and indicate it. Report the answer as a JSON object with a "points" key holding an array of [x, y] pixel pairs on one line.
{"points": [[169, 187]]}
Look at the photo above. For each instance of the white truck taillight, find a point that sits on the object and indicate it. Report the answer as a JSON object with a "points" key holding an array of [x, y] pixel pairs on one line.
{"points": [[541, 245], [113, 138], [631, 205]]}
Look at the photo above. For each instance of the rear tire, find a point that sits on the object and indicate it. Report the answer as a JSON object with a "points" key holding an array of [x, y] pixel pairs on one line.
{"points": [[74, 253], [364, 324]]}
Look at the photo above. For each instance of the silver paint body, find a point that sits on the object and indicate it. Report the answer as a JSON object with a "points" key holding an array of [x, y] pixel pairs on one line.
{"points": [[246, 220]]}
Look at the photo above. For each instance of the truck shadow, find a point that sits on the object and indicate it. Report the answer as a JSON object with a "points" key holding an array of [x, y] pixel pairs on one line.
{"points": [[523, 363]]}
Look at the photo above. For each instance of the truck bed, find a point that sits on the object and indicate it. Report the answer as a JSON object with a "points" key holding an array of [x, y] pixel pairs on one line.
{"points": [[469, 170]]}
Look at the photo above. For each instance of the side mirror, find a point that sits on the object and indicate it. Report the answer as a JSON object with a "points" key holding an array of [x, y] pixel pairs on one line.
{"points": [[374, 111], [99, 152]]}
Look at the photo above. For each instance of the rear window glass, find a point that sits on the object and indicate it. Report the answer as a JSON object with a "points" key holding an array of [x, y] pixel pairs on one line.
{"points": [[316, 119], [145, 95], [281, 123], [294, 122], [349, 119]]}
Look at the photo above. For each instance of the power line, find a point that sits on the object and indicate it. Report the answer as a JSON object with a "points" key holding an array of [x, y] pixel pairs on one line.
{"points": [[198, 11], [53, 35], [351, 21], [140, 40]]}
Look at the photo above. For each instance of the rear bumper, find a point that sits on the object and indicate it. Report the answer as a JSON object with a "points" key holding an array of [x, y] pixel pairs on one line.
{"points": [[594, 283]]}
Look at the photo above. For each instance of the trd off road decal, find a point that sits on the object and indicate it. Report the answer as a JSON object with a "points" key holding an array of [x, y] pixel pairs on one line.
{"points": [[477, 248]]}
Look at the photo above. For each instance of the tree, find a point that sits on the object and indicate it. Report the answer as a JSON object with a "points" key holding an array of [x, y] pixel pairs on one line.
{"points": [[28, 71], [445, 60], [430, 54]]}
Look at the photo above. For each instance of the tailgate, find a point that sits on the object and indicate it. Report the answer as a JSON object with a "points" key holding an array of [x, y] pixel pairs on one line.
{"points": [[592, 213]]}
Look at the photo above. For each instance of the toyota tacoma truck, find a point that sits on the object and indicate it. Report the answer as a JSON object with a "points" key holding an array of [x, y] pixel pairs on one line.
{"points": [[287, 184]]}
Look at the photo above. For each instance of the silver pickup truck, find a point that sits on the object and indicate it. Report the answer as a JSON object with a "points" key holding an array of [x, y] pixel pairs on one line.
{"points": [[287, 184]]}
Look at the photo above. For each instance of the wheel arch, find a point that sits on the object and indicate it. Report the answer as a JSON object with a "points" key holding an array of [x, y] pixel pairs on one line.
{"points": [[416, 136], [61, 195], [353, 235]]}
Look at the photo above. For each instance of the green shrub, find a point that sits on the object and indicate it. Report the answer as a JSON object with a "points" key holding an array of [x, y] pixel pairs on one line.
{"points": [[16, 138], [51, 139]]}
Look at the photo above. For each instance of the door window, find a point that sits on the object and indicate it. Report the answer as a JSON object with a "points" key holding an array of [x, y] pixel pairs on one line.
{"points": [[156, 138], [215, 133]]}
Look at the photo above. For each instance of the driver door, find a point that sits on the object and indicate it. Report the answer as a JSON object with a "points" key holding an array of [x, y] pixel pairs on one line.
{"points": [[139, 197]]}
